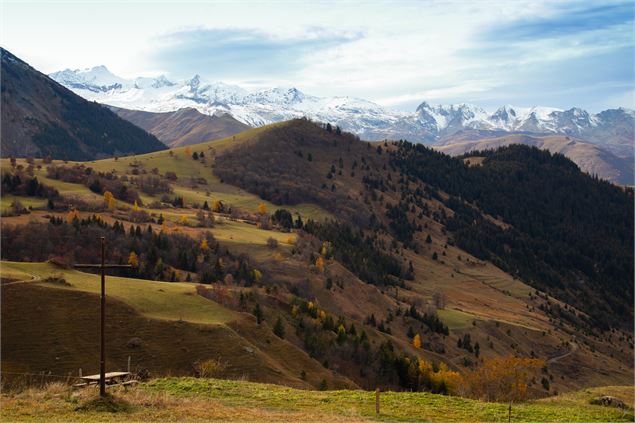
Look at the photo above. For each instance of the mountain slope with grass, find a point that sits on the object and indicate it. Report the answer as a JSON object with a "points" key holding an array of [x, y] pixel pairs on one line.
{"points": [[184, 126], [337, 262], [42, 118]]}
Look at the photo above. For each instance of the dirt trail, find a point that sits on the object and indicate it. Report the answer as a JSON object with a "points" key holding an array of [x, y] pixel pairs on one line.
{"points": [[574, 348], [34, 278]]}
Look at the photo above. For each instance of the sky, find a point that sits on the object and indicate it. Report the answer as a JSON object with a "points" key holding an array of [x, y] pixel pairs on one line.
{"points": [[398, 54]]}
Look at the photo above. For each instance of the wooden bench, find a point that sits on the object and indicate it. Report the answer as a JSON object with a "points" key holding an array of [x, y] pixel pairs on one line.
{"points": [[111, 378]]}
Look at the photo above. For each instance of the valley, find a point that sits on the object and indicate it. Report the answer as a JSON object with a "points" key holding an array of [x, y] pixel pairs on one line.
{"points": [[287, 255], [469, 295]]}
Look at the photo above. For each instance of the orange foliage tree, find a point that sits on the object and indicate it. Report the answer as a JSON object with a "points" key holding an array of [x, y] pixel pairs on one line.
{"points": [[416, 341], [502, 378], [319, 263]]}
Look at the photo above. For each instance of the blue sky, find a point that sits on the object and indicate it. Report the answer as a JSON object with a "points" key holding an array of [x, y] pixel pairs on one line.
{"points": [[398, 54]]}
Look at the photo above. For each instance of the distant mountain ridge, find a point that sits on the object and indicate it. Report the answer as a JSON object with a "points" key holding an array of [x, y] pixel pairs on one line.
{"points": [[184, 126], [42, 118], [613, 128], [590, 157]]}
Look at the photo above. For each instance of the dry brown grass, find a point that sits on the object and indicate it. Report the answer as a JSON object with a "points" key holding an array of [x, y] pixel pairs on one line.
{"points": [[58, 402]]}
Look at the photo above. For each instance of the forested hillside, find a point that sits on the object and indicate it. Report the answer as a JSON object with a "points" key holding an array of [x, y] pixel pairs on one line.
{"points": [[41, 118], [571, 235]]}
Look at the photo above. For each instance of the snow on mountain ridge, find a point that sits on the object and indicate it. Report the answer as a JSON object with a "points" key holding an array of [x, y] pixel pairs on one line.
{"points": [[369, 120]]}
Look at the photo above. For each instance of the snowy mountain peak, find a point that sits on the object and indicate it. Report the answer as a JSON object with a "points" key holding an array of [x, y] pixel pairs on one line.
{"points": [[194, 83], [369, 120], [96, 79]]}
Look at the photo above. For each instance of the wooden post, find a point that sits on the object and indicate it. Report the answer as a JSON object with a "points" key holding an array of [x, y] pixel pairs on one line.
{"points": [[102, 305], [102, 326], [80, 372], [128, 364], [377, 401], [509, 416]]}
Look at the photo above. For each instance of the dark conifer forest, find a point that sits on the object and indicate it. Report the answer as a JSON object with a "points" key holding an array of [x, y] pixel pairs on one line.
{"points": [[570, 234]]}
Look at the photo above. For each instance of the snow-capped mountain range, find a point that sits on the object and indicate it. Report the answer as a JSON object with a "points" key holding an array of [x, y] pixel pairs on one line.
{"points": [[428, 123]]}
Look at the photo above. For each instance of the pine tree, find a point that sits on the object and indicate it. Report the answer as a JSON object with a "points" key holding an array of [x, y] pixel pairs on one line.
{"points": [[278, 328], [258, 313]]}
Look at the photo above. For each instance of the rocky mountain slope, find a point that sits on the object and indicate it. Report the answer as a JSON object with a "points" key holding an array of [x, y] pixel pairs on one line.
{"points": [[428, 123], [183, 126], [42, 118]]}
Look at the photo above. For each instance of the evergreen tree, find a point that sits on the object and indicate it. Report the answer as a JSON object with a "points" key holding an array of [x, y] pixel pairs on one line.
{"points": [[258, 313], [278, 328]]}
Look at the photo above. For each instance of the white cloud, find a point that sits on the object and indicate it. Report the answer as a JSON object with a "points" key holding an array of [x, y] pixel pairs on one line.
{"points": [[395, 53]]}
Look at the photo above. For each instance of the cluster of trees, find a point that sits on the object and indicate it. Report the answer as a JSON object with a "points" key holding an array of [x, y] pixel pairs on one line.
{"points": [[431, 320], [401, 226], [329, 338], [21, 184], [98, 182], [415, 373], [466, 344], [570, 234], [359, 253], [157, 255], [502, 379]]}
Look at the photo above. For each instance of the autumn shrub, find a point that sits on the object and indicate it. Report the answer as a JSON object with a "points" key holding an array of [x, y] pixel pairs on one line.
{"points": [[209, 368], [501, 378]]}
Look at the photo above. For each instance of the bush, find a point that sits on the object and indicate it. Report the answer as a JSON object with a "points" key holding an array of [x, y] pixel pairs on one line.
{"points": [[272, 243], [209, 368]]}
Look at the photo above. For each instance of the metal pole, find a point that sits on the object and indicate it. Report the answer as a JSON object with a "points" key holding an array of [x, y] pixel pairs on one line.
{"points": [[102, 358]]}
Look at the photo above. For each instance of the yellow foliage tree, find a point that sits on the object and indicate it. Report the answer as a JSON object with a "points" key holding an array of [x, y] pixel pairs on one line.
{"points": [[136, 206], [442, 380], [416, 341], [262, 208], [72, 215], [108, 197], [112, 203], [319, 264], [295, 310], [257, 275], [217, 207], [204, 245], [133, 260], [184, 220], [326, 249], [291, 240], [188, 150]]}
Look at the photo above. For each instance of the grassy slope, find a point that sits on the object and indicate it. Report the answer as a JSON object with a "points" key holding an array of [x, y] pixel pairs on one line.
{"points": [[159, 300], [190, 399], [185, 168], [175, 326]]}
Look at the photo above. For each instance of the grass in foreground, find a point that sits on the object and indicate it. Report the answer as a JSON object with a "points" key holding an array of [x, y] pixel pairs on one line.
{"points": [[179, 399]]}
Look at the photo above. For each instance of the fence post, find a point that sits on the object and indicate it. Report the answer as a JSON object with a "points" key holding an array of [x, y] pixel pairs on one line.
{"points": [[509, 416], [377, 401], [80, 372], [128, 364]]}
